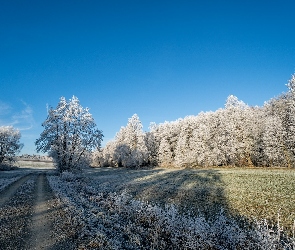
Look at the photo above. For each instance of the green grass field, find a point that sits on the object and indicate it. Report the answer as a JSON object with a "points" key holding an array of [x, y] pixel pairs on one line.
{"points": [[245, 193]]}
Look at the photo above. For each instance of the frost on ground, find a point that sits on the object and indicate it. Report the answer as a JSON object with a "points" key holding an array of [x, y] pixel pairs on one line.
{"points": [[4, 182], [109, 220], [14, 223], [31, 217], [48, 224]]}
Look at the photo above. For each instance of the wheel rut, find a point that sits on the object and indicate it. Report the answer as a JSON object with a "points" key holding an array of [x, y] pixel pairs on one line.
{"points": [[32, 217], [41, 225], [7, 193], [48, 220], [15, 211]]}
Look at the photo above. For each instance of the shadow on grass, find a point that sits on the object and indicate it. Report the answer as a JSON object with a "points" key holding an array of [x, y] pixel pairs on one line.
{"points": [[199, 191]]}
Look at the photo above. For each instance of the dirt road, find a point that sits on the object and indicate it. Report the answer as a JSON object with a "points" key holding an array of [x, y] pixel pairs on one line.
{"points": [[31, 217]]}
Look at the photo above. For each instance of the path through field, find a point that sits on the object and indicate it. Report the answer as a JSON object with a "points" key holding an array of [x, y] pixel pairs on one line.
{"points": [[10, 191], [41, 225], [31, 217]]}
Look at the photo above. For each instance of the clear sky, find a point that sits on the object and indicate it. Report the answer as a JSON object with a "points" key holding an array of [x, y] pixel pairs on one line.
{"points": [[160, 59]]}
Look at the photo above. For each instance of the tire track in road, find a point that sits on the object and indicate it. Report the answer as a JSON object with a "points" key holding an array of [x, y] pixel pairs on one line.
{"points": [[8, 192], [31, 217], [45, 233], [15, 213], [41, 226]]}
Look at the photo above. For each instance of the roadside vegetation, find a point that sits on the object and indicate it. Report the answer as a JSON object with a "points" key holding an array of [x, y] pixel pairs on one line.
{"points": [[242, 193], [9, 177], [169, 208]]}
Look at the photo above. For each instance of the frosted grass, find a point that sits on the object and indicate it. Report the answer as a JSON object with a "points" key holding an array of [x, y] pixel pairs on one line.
{"points": [[112, 220]]}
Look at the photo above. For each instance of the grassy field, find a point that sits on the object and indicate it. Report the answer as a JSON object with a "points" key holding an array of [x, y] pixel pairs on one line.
{"points": [[243, 193], [34, 164]]}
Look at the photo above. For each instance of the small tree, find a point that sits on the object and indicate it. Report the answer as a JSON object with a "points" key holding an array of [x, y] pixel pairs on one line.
{"points": [[69, 135], [9, 143]]}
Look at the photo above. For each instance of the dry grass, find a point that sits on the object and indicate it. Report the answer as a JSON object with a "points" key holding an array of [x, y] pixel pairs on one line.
{"points": [[246, 193], [34, 164]]}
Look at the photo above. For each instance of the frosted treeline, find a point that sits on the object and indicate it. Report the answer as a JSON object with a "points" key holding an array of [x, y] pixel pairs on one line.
{"points": [[236, 135], [34, 157]]}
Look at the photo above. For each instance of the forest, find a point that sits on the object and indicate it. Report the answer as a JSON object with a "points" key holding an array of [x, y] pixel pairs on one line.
{"points": [[237, 135]]}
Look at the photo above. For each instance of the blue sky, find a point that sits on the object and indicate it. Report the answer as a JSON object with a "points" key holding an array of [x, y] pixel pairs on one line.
{"points": [[160, 59]]}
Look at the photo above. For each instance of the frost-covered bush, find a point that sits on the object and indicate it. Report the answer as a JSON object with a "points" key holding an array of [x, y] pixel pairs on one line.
{"points": [[69, 176]]}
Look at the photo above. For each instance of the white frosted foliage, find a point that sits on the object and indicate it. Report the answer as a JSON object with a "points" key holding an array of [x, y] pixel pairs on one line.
{"points": [[236, 135], [9, 143], [70, 135]]}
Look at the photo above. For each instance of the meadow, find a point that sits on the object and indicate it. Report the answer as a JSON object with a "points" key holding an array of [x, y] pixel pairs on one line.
{"points": [[161, 208], [34, 164], [247, 194]]}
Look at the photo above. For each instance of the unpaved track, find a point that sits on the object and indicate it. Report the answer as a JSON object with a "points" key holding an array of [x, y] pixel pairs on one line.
{"points": [[41, 225], [33, 218], [14, 213], [47, 227], [7, 193]]}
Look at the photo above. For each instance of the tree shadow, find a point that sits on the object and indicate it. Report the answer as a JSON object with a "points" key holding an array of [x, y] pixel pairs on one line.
{"points": [[197, 191]]}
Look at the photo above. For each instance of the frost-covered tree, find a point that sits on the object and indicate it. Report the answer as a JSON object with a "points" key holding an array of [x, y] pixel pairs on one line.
{"points": [[131, 150], [233, 102], [167, 135], [128, 149], [105, 157], [9, 143], [289, 118], [152, 148], [236, 135], [238, 148], [274, 145], [192, 142], [183, 146], [279, 129], [291, 84], [70, 135], [255, 122]]}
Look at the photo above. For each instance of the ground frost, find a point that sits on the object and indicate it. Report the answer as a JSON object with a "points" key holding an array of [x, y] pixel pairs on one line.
{"points": [[15, 217], [5, 182], [117, 221]]}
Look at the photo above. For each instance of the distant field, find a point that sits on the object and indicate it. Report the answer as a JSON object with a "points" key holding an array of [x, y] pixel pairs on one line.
{"points": [[34, 164], [246, 193]]}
